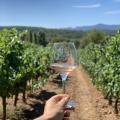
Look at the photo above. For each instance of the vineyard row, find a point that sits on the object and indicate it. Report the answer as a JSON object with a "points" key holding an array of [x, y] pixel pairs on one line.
{"points": [[103, 63]]}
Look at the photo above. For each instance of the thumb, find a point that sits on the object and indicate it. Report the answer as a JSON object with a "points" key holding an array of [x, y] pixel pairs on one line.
{"points": [[64, 101]]}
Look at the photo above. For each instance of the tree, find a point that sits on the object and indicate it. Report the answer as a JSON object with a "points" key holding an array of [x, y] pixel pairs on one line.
{"points": [[33, 37], [29, 36], [42, 39], [93, 36]]}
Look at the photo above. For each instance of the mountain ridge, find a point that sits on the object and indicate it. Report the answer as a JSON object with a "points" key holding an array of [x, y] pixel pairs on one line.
{"points": [[97, 26]]}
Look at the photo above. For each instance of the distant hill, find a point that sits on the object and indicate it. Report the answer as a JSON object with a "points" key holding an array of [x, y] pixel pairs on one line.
{"points": [[98, 27], [76, 35], [74, 31], [82, 28]]}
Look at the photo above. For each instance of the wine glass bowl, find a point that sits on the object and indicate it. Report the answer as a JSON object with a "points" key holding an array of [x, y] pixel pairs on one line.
{"points": [[65, 53]]}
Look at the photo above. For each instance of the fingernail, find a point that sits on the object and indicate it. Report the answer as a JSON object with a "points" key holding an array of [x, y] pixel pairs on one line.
{"points": [[66, 98]]}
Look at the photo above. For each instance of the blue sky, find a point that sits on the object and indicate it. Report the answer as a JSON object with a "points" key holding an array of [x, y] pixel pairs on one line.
{"points": [[59, 13]]}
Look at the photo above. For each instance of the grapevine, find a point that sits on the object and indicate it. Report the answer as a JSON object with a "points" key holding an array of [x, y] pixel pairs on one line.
{"points": [[103, 64], [21, 62]]}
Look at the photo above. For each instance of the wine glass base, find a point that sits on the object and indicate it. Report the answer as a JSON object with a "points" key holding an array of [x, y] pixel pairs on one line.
{"points": [[70, 105]]}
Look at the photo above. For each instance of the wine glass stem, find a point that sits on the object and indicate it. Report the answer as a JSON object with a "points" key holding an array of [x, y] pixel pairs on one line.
{"points": [[64, 87]]}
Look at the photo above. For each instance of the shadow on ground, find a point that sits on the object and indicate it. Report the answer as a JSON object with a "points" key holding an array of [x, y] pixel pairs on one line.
{"points": [[37, 108]]}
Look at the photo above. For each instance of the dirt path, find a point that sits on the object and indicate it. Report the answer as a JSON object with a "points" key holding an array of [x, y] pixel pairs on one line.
{"points": [[90, 104], [85, 109]]}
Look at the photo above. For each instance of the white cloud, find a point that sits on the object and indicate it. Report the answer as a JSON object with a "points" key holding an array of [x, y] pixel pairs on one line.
{"points": [[115, 12], [87, 6]]}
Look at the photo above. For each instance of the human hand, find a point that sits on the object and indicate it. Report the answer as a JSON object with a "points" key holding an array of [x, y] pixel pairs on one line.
{"points": [[55, 108]]}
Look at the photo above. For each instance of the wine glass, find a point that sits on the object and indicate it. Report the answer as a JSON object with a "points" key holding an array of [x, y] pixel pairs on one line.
{"points": [[65, 61]]}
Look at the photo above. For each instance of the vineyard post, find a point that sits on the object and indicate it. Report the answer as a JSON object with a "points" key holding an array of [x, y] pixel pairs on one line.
{"points": [[16, 98], [4, 107], [116, 105]]}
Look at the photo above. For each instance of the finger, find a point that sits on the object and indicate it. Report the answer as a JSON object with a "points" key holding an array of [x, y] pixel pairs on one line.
{"points": [[64, 101], [58, 97], [66, 114]]}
